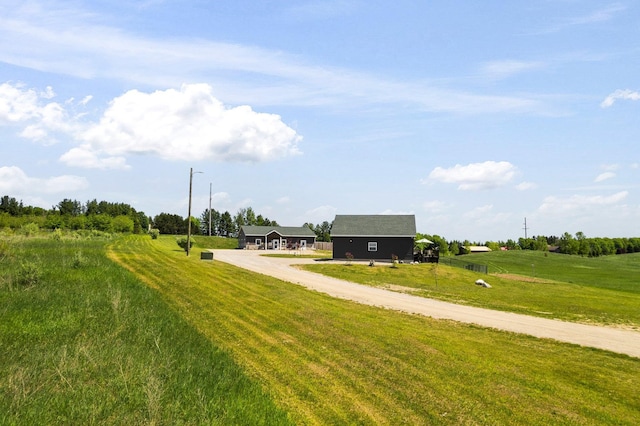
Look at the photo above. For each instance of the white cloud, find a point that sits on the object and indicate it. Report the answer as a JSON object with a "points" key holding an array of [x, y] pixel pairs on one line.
{"points": [[604, 176], [83, 156], [580, 203], [474, 176], [26, 106], [71, 42], [14, 180], [506, 68], [525, 186], [17, 104], [620, 94], [436, 206], [185, 124], [319, 214]]}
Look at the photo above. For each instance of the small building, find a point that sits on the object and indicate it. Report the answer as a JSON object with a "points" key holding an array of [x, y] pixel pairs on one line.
{"points": [[478, 249], [276, 237], [374, 237]]}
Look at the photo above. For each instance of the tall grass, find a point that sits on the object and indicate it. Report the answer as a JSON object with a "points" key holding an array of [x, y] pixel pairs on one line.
{"points": [[329, 361], [88, 343]]}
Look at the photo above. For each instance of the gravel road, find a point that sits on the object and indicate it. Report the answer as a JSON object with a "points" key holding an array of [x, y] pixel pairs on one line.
{"points": [[611, 339]]}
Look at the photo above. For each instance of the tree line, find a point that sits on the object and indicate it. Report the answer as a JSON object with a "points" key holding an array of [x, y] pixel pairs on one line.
{"points": [[121, 217], [74, 215], [578, 244]]}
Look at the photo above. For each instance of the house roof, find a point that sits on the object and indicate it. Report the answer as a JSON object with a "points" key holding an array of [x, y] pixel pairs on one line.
{"points": [[285, 231], [374, 226]]}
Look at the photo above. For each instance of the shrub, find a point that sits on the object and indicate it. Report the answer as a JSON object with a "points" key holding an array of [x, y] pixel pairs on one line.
{"points": [[349, 257], [155, 233], [30, 229], [29, 274], [182, 242], [56, 234]]}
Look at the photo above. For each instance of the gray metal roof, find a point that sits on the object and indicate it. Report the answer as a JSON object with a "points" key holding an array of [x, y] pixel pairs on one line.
{"points": [[374, 226], [285, 231]]}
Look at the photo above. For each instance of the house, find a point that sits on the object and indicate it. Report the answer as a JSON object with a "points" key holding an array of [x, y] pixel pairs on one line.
{"points": [[374, 237], [276, 237]]}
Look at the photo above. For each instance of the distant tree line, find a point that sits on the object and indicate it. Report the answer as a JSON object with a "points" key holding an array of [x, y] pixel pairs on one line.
{"points": [[222, 224], [578, 244], [120, 217], [74, 215]]}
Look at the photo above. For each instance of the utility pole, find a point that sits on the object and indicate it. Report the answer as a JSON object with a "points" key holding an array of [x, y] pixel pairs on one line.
{"points": [[210, 209], [525, 228], [189, 216]]}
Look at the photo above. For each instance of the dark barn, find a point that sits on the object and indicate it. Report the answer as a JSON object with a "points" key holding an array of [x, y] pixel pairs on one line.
{"points": [[374, 237]]}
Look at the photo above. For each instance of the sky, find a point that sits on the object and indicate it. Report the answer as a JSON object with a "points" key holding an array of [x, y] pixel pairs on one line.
{"points": [[473, 116]]}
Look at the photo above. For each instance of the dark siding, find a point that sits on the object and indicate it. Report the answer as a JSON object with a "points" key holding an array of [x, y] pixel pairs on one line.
{"points": [[387, 246]]}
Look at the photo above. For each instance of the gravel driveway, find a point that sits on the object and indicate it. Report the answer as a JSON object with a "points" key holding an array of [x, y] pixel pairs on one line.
{"points": [[612, 339]]}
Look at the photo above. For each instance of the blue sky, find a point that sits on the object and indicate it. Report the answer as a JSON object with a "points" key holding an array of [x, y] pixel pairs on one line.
{"points": [[470, 115]]}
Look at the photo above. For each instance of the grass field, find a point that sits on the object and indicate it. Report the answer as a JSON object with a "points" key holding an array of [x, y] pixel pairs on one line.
{"points": [[298, 356], [602, 290], [83, 341]]}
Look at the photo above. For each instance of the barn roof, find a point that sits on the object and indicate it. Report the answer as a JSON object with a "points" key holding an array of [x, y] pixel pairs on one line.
{"points": [[286, 231], [374, 226]]}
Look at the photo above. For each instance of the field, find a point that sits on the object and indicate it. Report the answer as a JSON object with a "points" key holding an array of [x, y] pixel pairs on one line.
{"points": [[172, 339], [604, 290]]}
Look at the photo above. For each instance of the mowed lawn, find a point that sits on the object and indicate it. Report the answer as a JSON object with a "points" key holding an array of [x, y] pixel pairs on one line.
{"points": [[602, 290], [329, 361]]}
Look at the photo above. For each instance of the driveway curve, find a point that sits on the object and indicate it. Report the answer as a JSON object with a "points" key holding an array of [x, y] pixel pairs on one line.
{"points": [[607, 338]]}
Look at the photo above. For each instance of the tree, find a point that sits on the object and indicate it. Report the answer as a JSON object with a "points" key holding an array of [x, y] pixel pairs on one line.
{"points": [[227, 227], [69, 207], [168, 223], [123, 224]]}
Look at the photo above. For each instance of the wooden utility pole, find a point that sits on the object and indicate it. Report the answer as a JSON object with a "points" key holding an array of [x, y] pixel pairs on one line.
{"points": [[189, 216]]}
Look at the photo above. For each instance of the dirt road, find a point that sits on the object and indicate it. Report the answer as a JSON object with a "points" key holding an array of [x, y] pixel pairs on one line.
{"points": [[612, 339]]}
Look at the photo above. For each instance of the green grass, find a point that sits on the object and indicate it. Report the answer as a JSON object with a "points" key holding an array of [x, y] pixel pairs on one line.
{"points": [[615, 272], [607, 293], [88, 343], [329, 361]]}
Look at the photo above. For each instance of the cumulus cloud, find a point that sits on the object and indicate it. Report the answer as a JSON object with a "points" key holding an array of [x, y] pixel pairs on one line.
{"points": [[185, 124], [20, 105], [578, 203], [84, 156], [626, 94], [13, 180], [475, 176]]}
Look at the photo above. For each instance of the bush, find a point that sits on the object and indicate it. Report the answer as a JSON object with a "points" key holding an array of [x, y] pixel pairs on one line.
{"points": [[155, 233], [29, 274], [29, 229], [56, 234], [182, 242]]}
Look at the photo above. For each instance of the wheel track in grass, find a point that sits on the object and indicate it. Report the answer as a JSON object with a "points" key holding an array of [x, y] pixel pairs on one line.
{"points": [[333, 372], [361, 398], [601, 337]]}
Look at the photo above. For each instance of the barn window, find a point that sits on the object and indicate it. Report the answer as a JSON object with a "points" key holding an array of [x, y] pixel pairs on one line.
{"points": [[373, 246]]}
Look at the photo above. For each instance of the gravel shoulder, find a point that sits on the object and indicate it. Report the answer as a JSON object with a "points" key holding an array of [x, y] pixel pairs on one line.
{"points": [[611, 339]]}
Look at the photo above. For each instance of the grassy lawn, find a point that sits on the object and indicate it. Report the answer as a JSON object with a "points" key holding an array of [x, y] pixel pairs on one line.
{"points": [[175, 340], [329, 361], [83, 341], [597, 290]]}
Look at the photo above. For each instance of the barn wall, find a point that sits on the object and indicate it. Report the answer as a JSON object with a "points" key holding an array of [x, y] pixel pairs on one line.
{"points": [[387, 246]]}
